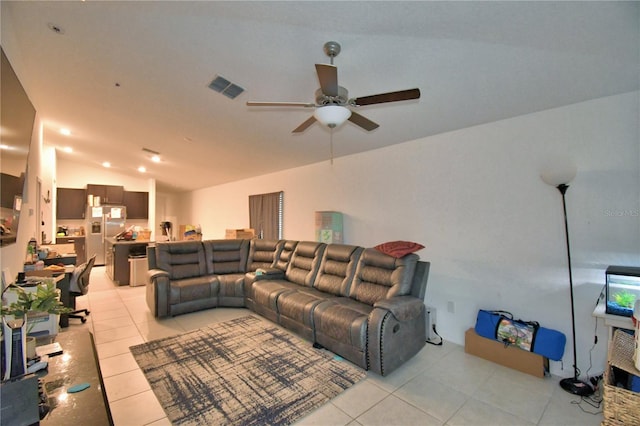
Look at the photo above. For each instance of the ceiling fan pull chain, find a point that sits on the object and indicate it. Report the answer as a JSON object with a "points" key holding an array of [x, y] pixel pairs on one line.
{"points": [[331, 146]]}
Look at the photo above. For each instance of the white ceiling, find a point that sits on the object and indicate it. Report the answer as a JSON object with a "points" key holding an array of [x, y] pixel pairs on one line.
{"points": [[474, 62]]}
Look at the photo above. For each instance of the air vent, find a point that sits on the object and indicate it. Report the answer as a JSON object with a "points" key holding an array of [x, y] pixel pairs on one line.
{"points": [[224, 86], [150, 151]]}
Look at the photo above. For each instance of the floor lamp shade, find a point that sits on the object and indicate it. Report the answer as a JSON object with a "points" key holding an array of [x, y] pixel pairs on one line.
{"points": [[555, 175]]}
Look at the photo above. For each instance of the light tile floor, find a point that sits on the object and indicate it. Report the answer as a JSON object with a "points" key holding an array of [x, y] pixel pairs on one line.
{"points": [[441, 385]]}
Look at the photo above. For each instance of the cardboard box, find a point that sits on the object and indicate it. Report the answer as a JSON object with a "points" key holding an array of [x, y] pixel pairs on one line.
{"points": [[329, 227], [239, 234], [509, 356]]}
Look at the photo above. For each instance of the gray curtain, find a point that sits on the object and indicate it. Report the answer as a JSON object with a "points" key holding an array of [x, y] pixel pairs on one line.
{"points": [[265, 215]]}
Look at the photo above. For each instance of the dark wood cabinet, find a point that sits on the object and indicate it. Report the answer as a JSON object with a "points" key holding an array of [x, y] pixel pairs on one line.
{"points": [[137, 204], [10, 186], [71, 204], [109, 194], [79, 246]]}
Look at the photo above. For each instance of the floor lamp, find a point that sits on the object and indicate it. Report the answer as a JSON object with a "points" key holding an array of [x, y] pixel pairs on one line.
{"points": [[571, 384]]}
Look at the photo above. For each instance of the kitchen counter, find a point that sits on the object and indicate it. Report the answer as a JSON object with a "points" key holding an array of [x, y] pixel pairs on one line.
{"points": [[115, 241], [117, 255]]}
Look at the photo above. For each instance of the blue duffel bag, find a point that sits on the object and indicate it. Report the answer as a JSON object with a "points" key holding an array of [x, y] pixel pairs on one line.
{"points": [[527, 335]]}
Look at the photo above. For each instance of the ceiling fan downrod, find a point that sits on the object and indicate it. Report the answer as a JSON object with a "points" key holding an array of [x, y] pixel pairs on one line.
{"points": [[331, 49]]}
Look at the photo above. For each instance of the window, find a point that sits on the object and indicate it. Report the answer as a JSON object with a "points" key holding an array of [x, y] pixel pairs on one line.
{"points": [[266, 215]]}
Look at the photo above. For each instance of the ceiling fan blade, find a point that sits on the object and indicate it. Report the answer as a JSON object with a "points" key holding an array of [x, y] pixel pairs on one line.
{"points": [[281, 104], [402, 95], [305, 125], [363, 122], [328, 78]]}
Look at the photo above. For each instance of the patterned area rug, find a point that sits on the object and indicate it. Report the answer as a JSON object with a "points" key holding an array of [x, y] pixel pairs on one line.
{"points": [[241, 372]]}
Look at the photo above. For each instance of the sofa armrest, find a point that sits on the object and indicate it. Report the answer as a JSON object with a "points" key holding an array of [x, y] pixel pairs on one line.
{"points": [[157, 292], [396, 332], [153, 274], [404, 308], [269, 273]]}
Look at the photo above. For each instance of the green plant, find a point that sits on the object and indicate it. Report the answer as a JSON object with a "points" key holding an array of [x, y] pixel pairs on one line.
{"points": [[44, 299], [625, 299]]}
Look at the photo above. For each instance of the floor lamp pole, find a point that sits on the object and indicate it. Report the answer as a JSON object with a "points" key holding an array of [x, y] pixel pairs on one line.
{"points": [[572, 384]]}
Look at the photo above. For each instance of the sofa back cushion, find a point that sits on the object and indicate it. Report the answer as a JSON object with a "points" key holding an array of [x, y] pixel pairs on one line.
{"points": [[305, 262], [284, 257], [337, 269], [226, 256], [181, 259], [263, 253], [380, 276]]}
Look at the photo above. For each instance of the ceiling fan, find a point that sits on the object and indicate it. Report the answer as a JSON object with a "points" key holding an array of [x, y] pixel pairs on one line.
{"points": [[332, 104]]}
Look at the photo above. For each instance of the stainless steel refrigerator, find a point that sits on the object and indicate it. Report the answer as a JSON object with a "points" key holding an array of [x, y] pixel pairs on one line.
{"points": [[103, 222]]}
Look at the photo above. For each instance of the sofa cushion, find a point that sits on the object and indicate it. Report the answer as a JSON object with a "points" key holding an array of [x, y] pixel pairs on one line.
{"points": [[343, 320], [231, 285], [288, 247], [266, 292], [305, 262], [263, 253], [337, 268], [190, 289], [380, 276], [226, 256], [183, 259], [298, 305]]}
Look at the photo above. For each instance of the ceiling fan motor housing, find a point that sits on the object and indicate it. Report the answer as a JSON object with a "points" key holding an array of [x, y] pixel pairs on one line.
{"points": [[341, 99]]}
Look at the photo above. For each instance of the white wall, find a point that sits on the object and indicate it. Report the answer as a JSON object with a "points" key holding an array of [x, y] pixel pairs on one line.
{"points": [[76, 174], [493, 230]]}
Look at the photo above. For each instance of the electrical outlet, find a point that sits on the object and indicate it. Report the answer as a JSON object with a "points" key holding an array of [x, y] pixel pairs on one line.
{"points": [[451, 307]]}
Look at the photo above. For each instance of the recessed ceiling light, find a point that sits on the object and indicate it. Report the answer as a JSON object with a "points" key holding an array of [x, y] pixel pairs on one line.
{"points": [[65, 131], [67, 149], [142, 169], [106, 164], [155, 158]]}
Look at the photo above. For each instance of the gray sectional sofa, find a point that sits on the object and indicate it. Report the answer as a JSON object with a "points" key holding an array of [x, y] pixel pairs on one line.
{"points": [[364, 305]]}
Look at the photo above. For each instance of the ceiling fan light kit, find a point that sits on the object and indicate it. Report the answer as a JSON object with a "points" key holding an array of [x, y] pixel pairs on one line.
{"points": [[332, 116], [332, 104]]}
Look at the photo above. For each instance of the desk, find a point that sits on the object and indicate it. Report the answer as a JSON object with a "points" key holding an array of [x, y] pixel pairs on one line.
{"points": [[78, 364], [67, 259], [612, 321]]}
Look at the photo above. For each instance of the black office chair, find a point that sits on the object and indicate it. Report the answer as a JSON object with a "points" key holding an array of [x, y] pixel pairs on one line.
{"points": [[80, 286]]}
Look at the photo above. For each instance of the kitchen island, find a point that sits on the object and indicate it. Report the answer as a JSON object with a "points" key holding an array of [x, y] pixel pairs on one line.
{"points": [[117, 254]]}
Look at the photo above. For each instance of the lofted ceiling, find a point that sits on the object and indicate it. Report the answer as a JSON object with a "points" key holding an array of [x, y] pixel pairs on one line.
{"points": [[128, 75]]}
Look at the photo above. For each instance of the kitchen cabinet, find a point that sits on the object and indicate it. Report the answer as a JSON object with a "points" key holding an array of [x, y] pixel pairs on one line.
{"points": [[137, 204], [109, 194], [79, 247], [71, 203], [10, 186]]}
